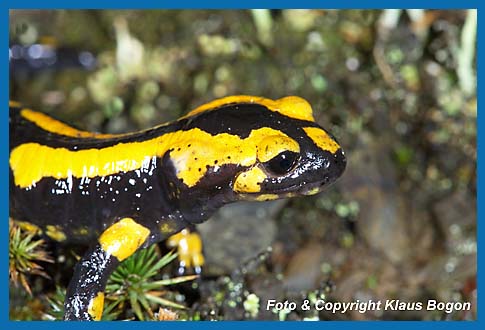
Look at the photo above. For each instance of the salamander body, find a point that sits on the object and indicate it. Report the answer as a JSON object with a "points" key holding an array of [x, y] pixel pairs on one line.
{"points": [[119, 193]]}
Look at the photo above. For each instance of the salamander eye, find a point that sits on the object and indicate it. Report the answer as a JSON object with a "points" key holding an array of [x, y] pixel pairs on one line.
{"points": [[283, 163]]}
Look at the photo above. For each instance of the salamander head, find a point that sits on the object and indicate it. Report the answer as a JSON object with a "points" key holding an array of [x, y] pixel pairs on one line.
{"points": [[301, 162], [296, 157], [251, 148]]}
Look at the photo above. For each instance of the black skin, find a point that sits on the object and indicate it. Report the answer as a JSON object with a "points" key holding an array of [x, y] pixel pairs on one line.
{"points": [[155, 196]]}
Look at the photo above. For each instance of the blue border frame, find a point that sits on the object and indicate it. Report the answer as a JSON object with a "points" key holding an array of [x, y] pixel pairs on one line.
{"points": [[246, 4], [192, 4]]}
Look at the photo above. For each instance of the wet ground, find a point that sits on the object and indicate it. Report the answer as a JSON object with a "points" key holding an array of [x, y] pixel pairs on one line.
{"points": [[396, 88]]}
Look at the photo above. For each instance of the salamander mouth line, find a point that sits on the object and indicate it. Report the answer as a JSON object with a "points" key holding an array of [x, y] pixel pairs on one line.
{"points": [[303, 188]]}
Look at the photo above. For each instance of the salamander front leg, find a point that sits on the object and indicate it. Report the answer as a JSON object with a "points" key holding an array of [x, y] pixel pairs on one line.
{"points": [[85, 294]]}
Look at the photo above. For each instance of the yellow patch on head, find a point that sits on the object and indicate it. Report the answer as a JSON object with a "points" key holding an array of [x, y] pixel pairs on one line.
{"points": [[14, 104], [55, 233], [321, 139], [95, 307], [273, 145], [123, 238], [249, 181], [54, 126], [295, 107], [290, 106], [202, 149]]}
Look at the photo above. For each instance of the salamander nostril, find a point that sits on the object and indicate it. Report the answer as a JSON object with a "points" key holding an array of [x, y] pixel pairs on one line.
{"points": [[340, 161]]}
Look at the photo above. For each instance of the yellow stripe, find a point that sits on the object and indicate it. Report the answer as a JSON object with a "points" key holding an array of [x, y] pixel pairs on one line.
{"points": [[321, 139], [193, 151], [290, 106], [95, 307], [123, 238], [54, 126], [14, 104]]}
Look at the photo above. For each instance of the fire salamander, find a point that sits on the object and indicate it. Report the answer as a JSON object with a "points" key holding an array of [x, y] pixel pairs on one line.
{"points": [[120, 193]]}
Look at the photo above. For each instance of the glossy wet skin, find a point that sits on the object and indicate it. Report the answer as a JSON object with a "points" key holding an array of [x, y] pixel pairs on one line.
{"points": [[278, 156], [314, 170], [120, 193], [236, 148]]}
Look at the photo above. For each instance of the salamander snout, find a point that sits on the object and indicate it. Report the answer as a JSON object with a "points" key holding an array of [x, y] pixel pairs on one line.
{"points": [[339, 162]]}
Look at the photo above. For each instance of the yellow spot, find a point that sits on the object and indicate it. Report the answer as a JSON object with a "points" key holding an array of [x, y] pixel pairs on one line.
{"points": [[82, 231], [313, 191], [27, 226], [192, 151], [249, 181], [290, 106], [54, 126], [95, 308], [273, 145], [189, 248], [321, 139], [14, 104], [267, 197], [123, 238], [167, 228], [55, 233]]}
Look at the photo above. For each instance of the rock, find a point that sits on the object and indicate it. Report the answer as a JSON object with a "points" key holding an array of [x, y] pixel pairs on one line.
{"points": [[304, 268], [236, 233], [457, 209], [387, 220]]}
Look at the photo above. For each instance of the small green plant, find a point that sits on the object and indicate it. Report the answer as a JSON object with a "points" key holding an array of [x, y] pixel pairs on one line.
{"points": [[24, 253], [56, 303], [56, 310], [133, 284]]}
